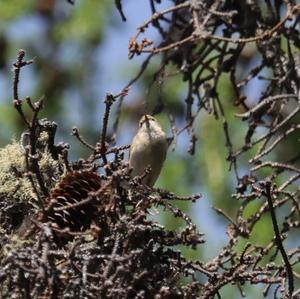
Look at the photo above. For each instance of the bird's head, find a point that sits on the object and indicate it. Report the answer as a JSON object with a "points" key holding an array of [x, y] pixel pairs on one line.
{"points": [[147, 120]]}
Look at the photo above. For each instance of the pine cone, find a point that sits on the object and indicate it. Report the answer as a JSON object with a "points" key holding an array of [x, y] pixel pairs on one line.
{"points": [[69, 205]]}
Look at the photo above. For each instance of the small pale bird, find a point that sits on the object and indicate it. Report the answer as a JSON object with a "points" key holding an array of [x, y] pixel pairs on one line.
{"points": [[148, 148]]}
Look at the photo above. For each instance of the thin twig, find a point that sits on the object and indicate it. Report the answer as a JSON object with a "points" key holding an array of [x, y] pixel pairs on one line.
{"points": [[288, 266]]}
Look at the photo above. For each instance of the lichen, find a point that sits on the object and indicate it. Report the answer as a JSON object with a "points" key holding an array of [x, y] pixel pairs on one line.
{"points": [[17, 195]]}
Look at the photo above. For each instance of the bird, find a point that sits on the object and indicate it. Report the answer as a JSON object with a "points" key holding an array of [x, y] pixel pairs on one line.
{"points": [[148, 148]]}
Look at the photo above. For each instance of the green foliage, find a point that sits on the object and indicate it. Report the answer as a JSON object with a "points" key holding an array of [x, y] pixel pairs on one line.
{"points": [[84, 24], [10, 9]]}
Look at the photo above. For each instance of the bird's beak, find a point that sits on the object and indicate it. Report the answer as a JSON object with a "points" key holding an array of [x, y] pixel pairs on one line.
{"points": [[147, 121]]}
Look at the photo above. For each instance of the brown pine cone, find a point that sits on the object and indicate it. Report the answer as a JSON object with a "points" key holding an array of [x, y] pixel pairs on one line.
{"points": [[69, 205]]}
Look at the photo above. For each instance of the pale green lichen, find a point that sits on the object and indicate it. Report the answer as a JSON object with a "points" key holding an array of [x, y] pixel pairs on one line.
{"points": [[16, 190], [12, 162]]}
